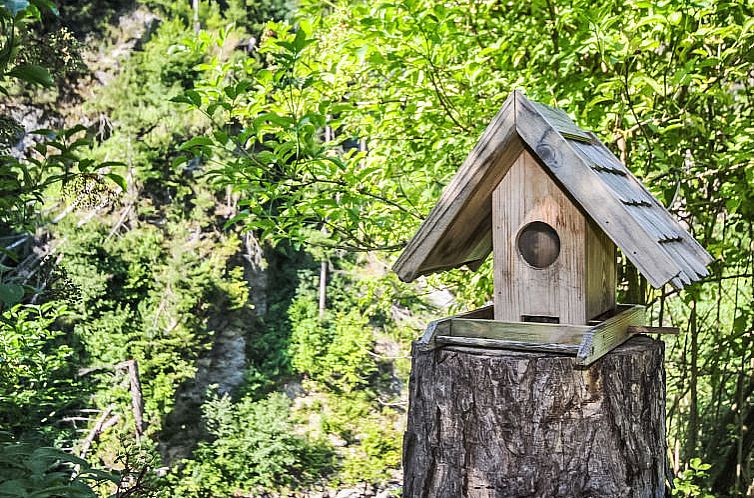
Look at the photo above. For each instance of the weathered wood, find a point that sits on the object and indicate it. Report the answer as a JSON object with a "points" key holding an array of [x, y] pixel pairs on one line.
{"points": [[519, 332], [606, 336], [435, 328], [95, 431], [642, 329], [487, 423], [442, 326], [543, 347], [484, 313], [527, 194], [457, 231], [589, 343], [601, 271], [607, 210], [137, 398]]}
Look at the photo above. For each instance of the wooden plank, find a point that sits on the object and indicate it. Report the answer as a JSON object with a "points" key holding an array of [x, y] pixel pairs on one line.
{"points": [[578, 178], [506, 344], [606, 336], [518, 331], [442, 326], [703, 257], [641, 329], [648, 212], [446, 238], [434, 328], [483, 313], [601, 271], [528, 194], [559, 120]]}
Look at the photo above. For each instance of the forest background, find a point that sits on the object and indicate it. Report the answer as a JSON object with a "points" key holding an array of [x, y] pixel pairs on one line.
{"points": [[235, 179]]}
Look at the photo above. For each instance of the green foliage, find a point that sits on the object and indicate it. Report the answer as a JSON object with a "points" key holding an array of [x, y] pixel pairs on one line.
{"points": [[29, 470], [56, 156], [370, 449], [149, 295], [255, 448], [347, 380], [37, 367], [293, 182], [378, 454], [664, 84], [339, 132], [336, 351], [690, 482], [16, 17], [251, 15], [143, 123]]}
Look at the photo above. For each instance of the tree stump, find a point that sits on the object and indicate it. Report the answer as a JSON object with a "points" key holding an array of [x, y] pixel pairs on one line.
{"points": [[499, 423]]}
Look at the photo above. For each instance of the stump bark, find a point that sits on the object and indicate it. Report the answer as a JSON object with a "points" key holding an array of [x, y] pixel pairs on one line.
{"points": [[498, 423]]}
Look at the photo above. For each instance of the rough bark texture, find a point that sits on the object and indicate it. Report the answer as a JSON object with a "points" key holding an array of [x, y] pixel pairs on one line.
{"points": [[498, 423]]}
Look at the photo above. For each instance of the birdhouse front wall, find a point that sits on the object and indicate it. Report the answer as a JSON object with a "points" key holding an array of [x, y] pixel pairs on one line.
{"points": [[551, 263]]}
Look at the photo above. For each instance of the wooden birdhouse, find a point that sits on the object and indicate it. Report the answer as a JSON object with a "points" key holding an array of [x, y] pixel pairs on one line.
{"points": [[551, 203]]}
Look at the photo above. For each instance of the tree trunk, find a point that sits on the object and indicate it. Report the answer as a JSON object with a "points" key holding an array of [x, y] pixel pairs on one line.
{"points": [[499, 423]]}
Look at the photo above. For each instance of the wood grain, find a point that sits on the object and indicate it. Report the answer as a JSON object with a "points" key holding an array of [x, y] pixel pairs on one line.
{"points": [[527, 194], [608, 212], [543, 347], [601, 271], [518, 331], [643, 329], [588, 343], [494, 423], [611, 333]]}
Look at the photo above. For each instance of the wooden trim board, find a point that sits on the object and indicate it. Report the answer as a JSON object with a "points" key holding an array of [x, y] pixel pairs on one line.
{"points": [[608, 335], [587, 343], [507, 344]]}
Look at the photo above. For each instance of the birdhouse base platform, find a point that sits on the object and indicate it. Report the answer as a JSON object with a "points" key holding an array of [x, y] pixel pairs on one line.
{"points": [[587, 343]]}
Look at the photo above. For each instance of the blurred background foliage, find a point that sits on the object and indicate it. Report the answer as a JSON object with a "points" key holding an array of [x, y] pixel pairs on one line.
{"points": [[220, 160]]}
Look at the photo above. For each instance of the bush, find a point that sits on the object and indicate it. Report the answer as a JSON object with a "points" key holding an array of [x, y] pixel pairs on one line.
{"points": [[255, 448], [36, 367], [27, 469], [334, 352]]}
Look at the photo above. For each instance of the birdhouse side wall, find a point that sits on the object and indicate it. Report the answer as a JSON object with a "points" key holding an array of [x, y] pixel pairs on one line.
{"points": [[601, 272], [522, 292]]}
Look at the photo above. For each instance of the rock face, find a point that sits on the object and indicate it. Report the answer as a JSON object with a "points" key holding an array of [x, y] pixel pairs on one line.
{"points": [[222, 369], [496, 423]]}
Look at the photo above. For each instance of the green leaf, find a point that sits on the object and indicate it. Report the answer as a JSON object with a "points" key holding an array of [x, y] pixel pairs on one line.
{"points": [[13, 488], [100, 475], [178, 161], [300, 41], [197, 141], [56, 454], [11, 294], [31, 73], [191, 97], [118, 180]]}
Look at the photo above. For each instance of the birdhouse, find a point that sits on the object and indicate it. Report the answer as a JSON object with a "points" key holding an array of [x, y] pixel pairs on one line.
{"points": [[552, 204]]}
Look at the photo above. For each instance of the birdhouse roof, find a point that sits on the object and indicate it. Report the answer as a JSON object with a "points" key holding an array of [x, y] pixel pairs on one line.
{"points": [[458, 231]]}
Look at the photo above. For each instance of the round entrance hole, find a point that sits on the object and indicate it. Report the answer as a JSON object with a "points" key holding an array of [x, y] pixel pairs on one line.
{"points": [[538, 244]]}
